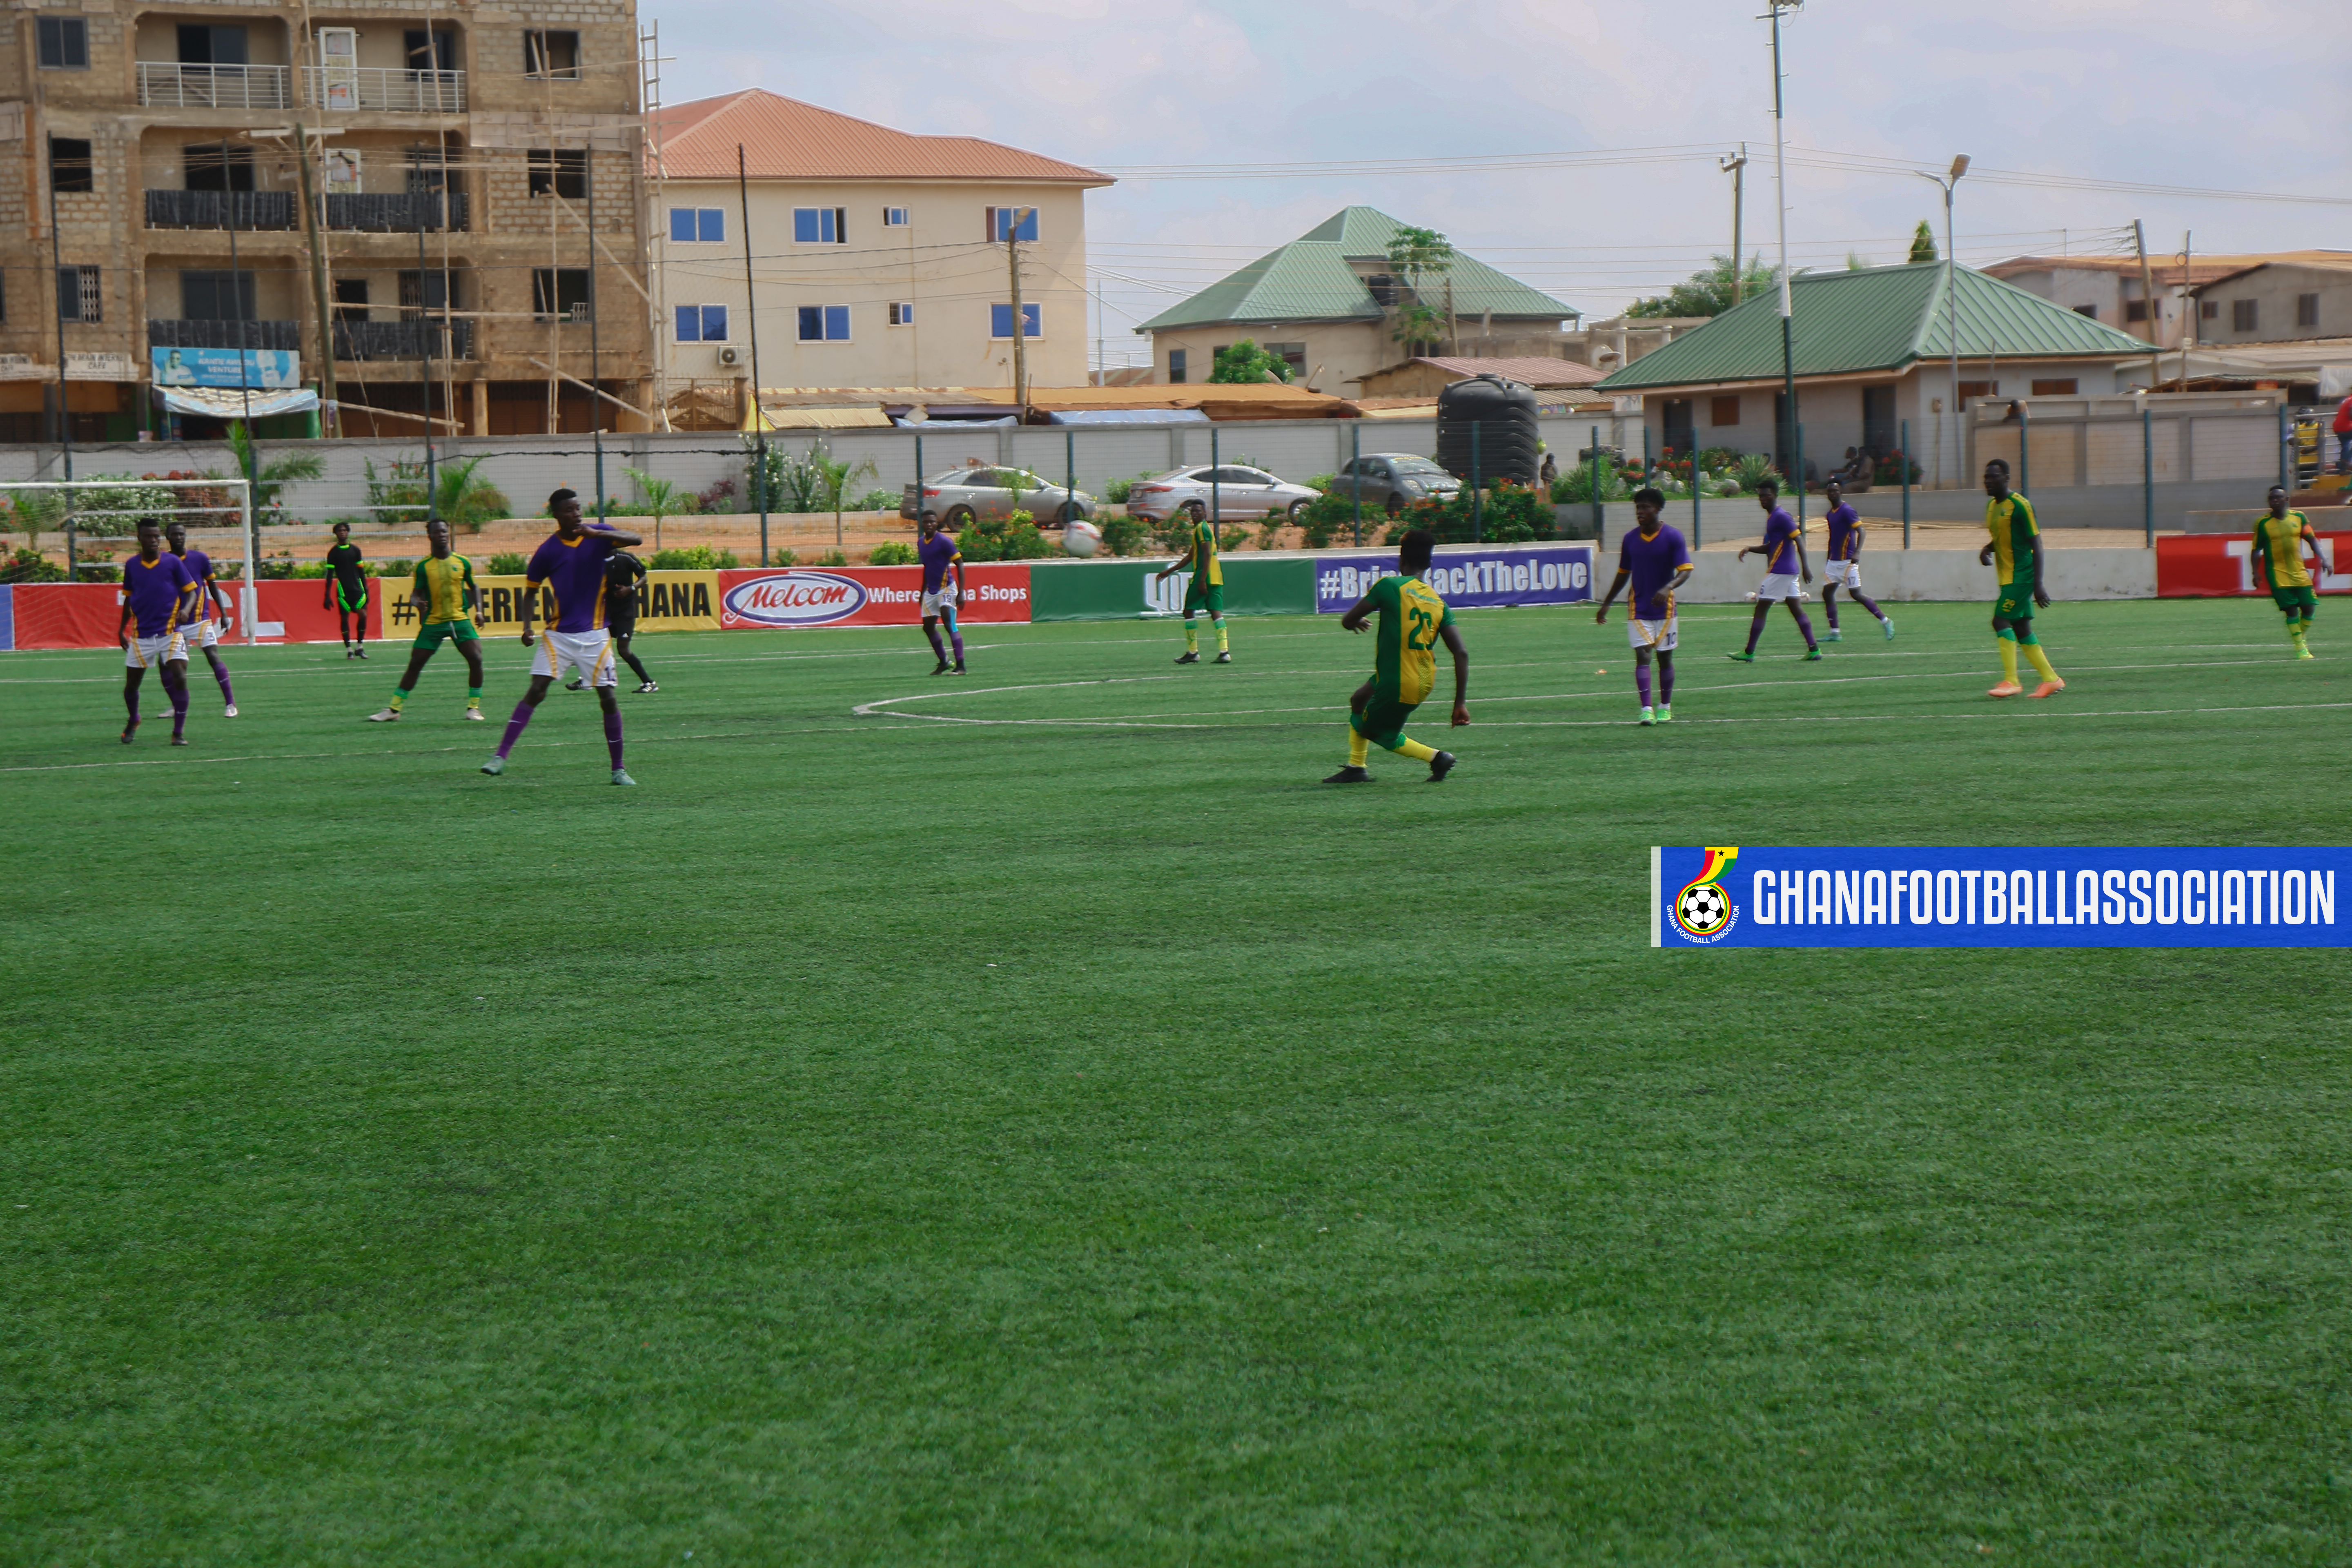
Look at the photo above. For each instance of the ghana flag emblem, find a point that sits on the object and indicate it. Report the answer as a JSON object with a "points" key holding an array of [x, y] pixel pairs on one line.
{"points": [[1702, 909]]}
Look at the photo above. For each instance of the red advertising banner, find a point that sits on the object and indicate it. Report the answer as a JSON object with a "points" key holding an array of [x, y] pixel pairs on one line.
{"points": [[2222, 566], [84, 614], [795, 596]]}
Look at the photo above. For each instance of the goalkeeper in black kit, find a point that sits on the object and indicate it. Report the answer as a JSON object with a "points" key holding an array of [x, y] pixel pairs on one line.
{"points": [[624, 577]]}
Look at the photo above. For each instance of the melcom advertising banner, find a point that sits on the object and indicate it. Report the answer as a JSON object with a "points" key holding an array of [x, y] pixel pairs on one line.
{"points": [[1472, 579], [1881, 897], [788, 598]]}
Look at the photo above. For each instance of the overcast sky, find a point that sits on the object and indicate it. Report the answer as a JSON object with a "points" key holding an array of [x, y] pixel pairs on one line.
{"points": [[2236, 95]]}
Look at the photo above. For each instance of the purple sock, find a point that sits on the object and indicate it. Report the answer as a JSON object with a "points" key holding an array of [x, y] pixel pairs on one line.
{"points": [[220, 673], [955, 635], [939, 649], [1756, 628], [612, 735], [1876, 612], [1805, 626], [1831, 605], [1641, 682], [179, 706], [514, 727], [1665, 678]]}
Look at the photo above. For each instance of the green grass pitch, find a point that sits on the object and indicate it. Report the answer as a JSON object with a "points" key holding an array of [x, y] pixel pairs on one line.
{"points": [[1081, 1138]]}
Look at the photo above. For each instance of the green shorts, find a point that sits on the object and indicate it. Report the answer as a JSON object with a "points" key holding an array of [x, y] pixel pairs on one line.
{"points": [[2016, 602], [432, 634], [1382, 722], [1208, 596], [2299, 602]]}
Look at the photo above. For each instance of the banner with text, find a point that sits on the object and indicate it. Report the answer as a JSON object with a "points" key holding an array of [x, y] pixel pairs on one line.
{"points": [[2219, 565], [1468, 579], [797, 597], [1881, 897], [666, 602]]}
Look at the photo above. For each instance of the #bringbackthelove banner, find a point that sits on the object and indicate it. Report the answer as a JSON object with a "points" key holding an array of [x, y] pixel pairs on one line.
{"points": [[1884, 896], [1471, 579]]}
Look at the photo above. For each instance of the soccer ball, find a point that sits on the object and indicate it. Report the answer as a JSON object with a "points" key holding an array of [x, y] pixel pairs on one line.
{"points": [[1080, 537], [1702, 908]]}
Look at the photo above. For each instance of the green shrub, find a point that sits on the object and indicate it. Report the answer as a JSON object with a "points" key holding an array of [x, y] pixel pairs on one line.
{"points": [[874, 501], [1328, 516], [507, 563], [783, 556], [893, 552], [29, 565], [1753, 470], [1232, 535], [1511, 514], [831, 558], [1576, 484], [699, 558], [100, 571], [1321, 481], [1123, 535], [1118, 490]]}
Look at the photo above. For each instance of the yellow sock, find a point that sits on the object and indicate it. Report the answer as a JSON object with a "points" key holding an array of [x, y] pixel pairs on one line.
{"points": [[2040, 660], [1221, 637], [1415, 749], [2008, 659], [1192, 637], [1358, 748]]}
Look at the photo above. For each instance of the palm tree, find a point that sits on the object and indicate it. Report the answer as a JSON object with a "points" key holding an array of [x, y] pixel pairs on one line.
{"points": [[1419, 253], [656, 498]]}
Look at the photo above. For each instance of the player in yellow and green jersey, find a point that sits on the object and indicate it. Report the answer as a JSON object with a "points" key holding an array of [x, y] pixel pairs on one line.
{"points": [[2278, 566], [1205, 591], [2015, 551], [445, 597], [1413, 620]]}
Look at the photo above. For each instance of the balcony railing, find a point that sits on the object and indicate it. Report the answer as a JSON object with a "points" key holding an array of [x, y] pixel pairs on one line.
{"points": [[215, 209], [188, 335], [398, 213], [404, 340], [390, 88], [167, 84]]}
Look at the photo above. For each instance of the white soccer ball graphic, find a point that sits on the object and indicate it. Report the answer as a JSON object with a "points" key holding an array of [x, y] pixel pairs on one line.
{"points": [[1702, 908], [1080, 537]]}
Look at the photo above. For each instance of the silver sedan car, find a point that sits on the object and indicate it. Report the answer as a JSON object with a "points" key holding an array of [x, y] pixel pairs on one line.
{"points": [[960, 495], [1233, 491]]}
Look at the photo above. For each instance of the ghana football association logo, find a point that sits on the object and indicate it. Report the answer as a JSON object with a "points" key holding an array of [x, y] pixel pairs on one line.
{"points": [[1702, 909]]}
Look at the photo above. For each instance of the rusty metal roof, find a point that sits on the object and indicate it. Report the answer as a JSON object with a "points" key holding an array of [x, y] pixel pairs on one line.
{"points": [[784, 139]]}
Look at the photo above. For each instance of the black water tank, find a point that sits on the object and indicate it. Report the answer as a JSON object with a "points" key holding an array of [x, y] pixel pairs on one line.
{"points": [[1504, 415]]}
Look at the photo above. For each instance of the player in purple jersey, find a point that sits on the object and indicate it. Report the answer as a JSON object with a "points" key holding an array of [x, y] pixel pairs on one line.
{"points": [[571, 564], [202, 631], [940, 556], [1655, 559], [156, 592], [1785, 569], [1843, 568]]}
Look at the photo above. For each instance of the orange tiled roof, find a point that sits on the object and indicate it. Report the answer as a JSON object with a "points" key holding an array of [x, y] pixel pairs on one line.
{"points": [[782, 138]]}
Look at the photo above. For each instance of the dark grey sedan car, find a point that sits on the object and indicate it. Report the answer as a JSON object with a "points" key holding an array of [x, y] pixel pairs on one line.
{"points": [[1393, 481]]}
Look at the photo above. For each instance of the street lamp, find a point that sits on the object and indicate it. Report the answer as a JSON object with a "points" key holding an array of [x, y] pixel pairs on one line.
{"points": [[1735, 165], [1951, 300], [1780, 198]]}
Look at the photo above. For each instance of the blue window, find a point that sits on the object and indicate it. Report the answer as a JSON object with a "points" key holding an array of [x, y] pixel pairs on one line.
{"points": [[894, 217], [697, 224], [1000, 219], [702, 323], [1033, 320], [820, 225], [824, 323]]}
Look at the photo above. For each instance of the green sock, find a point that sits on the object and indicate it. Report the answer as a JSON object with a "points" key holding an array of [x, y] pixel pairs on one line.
{"points": [[1192, 637], [399, 695], [473, 697], [1221, 637]]}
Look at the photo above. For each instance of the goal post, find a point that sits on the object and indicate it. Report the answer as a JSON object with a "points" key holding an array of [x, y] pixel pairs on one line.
{"points": [[47, 506]]}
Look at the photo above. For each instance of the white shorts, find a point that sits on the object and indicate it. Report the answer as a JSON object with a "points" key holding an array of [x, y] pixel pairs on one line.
{"points": [[589, 652], [202, 635], [1778, 585], [1841, 574], [941, 603], [1641, 633], [143, 653]]}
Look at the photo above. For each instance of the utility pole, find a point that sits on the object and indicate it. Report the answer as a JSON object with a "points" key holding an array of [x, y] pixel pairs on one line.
{"points": [[751, 316], [1780, 198], [2147, 297], [65, 412], [595, 343], [2191, 311], [1735, 165], [1952, 310], [330, 409], [1020, 321], [425, 356]]}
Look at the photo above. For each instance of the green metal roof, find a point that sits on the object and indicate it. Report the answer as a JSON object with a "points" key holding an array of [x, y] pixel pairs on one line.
{"points": [[1310, 280], [1880, 318]]}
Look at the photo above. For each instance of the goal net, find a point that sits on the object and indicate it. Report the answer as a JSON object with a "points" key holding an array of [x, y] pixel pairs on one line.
{"points": [[94, 518]]}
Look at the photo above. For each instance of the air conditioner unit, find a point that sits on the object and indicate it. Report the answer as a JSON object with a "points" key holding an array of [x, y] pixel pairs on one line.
{"points": [[731, 356]]}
